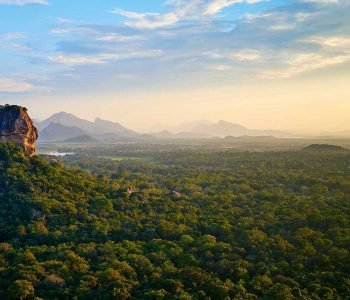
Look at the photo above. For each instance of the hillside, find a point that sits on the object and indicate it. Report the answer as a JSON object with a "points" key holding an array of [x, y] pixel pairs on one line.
{"points": [[81, 139], [324, 148], [242, 226], [58, 132]]}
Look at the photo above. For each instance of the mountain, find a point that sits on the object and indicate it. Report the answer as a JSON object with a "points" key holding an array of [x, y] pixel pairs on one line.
{"points": [[204, 129], [223, 129], [165, 134], [58, 132], [184, 127], [103, 126], [318, 148], [252, 138], [81, 127], [109, 132], [65, 119], [81, 139]]}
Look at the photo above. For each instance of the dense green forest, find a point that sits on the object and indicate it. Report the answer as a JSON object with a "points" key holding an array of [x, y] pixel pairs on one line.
{"points": [[176, 225]]}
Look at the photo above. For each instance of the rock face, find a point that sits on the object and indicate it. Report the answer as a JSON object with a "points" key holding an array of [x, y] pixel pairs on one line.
{"points": [[17, 127]]}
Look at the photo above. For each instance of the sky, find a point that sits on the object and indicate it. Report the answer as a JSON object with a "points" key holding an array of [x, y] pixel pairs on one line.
{"points": [[277, 64]]}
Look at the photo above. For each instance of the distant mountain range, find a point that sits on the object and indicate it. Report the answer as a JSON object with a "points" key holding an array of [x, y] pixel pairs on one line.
{"points": [[223, 129], [205, 129], [165, 134], [65, 127]]}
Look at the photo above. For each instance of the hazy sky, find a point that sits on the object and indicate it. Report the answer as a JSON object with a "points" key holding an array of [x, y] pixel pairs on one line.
{"points": [[276, 64]]}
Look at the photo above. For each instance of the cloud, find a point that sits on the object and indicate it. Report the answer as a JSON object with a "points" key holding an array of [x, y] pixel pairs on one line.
{"points": [[134, 15], [195, 45], [321, 1], [335, 50], [280, 20], [306, 62], [214, 7], [13, 86], [309, 45], [256, 47], [10, 36], [338, 42], [181, 10], [148, 20], [10, 41], [116, 37], [246, 55], [241, 55], [282, 26], [23, 2], [79, 59], [318, 38], [99, 34], [221, 67], [72, 60]]}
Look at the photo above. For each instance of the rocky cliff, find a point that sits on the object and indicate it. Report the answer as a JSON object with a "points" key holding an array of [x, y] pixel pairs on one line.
{"points": [[17, 127]]}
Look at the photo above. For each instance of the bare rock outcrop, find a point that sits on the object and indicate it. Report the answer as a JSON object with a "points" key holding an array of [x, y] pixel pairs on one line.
{"points": [[17, 127]]}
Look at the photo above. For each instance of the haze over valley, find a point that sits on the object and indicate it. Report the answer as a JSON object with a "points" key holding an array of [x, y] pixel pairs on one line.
{"points": [[65, 127]]}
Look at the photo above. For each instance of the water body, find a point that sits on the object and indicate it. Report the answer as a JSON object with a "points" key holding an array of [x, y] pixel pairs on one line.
{"points": [[60, 154]]}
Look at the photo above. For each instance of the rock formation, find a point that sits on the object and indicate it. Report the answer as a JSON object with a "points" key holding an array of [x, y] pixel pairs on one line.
{"points": [[17, 127]]}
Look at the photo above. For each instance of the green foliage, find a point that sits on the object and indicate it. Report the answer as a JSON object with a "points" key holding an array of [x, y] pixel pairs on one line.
{"points": [[183, 225], [21, 289]]}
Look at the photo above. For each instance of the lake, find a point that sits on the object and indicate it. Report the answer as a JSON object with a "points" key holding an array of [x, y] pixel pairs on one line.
{"points": [[56, 153]]}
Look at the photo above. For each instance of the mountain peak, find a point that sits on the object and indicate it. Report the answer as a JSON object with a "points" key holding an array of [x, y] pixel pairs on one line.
{"points": [[63, 114], [99, 120], [226, 123], [74, 126]]}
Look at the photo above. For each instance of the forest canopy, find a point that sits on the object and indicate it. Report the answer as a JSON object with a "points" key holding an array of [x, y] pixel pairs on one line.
{"points": [[182, 225]]}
